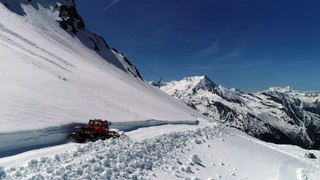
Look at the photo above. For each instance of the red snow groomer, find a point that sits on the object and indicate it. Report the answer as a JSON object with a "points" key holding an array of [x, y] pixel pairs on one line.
{"points": [[95, 130]]}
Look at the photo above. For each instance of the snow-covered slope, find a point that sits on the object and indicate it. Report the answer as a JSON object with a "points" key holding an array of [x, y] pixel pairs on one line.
{"points": [[279, 115], [181, 152], [50, 79], [69, 20], [53, 76]]}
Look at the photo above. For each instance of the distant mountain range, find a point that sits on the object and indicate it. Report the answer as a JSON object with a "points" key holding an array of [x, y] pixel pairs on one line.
{"points": [[279, 115]]}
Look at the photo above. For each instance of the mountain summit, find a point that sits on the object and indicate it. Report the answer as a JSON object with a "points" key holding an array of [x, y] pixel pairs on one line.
{"points": [[279, 115], [189, 85]]}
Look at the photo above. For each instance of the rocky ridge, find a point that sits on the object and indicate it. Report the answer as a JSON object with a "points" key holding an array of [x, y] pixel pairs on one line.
{"points": [[279, 115]]}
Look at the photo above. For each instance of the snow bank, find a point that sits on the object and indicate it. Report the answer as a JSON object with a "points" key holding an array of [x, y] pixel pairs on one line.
{"points": [[17, 142], [222, 154], [129, 126], [121, 158]]}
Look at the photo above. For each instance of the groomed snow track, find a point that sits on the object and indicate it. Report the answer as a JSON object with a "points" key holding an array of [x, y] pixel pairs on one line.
{"points": [[177, 152], [121, 158], [17, 142]]}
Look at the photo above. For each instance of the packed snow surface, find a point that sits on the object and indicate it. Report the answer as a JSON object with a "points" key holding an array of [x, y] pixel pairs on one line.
{"points": [[21, 141], [176, 153]]}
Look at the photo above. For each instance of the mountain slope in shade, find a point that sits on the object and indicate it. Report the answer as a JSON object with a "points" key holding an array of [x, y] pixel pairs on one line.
{"points": [[279, 115]]}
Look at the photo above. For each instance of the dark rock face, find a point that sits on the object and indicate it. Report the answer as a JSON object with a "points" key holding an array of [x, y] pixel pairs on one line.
{"points": [[72, 22], [278, 115], [70, 18]]}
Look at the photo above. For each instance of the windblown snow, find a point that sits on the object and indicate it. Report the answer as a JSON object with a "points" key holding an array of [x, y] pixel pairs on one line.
{"points": [[51, 81]]}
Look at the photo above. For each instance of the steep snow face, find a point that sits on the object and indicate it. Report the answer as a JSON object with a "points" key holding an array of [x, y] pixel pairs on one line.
{"points": [[71, 21], [279, 115], [50, 78]]}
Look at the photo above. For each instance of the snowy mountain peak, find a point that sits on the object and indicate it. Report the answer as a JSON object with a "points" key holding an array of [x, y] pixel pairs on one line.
{"points": [[280, 115], [194, 84], [306, 95], [195, 78], [188, 85], [287, 89], [199, 82]]}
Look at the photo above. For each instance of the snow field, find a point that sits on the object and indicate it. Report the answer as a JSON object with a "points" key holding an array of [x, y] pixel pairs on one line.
{"points": [[233, 155], [121, 158], [201, 153]]}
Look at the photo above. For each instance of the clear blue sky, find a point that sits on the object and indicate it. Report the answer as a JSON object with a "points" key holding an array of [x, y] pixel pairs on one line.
{"points": [[248, 44]]}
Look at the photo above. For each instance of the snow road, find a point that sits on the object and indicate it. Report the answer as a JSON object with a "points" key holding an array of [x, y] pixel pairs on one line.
{"points": [[137, 135], [166, 152], [20, 141]]}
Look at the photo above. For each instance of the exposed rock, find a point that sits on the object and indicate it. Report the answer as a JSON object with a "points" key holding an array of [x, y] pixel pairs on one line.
{"points": [[279, 115]]}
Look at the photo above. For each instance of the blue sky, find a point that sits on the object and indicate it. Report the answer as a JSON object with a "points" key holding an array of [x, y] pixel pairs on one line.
{"points": [[248, 44]]}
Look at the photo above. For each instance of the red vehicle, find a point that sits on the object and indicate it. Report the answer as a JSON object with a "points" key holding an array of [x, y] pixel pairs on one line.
{"points": [[95, 130]]}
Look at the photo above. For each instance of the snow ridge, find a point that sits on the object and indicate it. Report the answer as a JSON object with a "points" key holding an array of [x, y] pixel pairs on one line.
{"points": [[280, 115]]}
